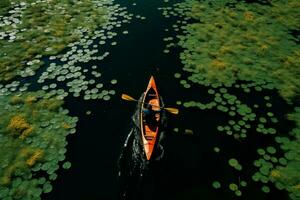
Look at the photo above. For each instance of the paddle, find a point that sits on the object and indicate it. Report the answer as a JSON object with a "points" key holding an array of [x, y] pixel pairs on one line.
{"points": [[126, 97]]}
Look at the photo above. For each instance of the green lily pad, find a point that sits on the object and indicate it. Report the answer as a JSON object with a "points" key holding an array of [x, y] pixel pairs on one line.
{"points": [[216, 184], [238, 167], [220, 128], [271, 150], [233, 186], [67, 165], [106, 97], [177, 75], [216, 149], [265, 189], [243, 183], [261, 152], [282, 161], [47, 187], [211, 91], [269, 105], [233, 162], [113, 81], [238, 193]]}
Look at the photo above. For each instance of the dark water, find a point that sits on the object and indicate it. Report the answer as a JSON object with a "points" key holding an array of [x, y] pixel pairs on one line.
{"points": [[190, 165]]}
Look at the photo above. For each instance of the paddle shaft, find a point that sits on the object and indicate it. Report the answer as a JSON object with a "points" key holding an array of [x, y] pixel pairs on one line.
{"points": [[129, 98]]}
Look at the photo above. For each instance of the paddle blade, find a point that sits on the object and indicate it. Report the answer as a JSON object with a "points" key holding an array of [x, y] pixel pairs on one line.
{"points": [[127, 97], [174, 111]]}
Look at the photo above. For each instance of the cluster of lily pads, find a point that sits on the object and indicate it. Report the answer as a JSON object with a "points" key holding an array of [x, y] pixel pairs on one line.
{"points": [[241, 116], [282, 169], [266, 165], [74, 79], [69, 69], [33, 133], [65, 38], [35, 28], [239, 42], [238, 49], [71, 72], [234, 187], [6, 89]]}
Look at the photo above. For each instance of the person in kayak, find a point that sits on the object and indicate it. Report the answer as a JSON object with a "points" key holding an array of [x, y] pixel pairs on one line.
{"points": [[150, 114]]}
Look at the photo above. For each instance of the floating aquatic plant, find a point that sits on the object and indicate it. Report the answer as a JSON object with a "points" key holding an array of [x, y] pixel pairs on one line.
{"points": [[216, 184], [33, 133], [234, 187], [114, 81], [224, 56], [216, 149], [66, 165], [43, 29], [282, 171], [235, 164], [248, 47], [265, 189], [67, 67]]}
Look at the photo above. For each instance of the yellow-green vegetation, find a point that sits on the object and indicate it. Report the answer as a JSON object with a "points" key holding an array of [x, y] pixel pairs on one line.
{"points": [[249, 42], [33, 134], [18, 126], [235, 48], [31, 29], [282, 171], [285, 172]]}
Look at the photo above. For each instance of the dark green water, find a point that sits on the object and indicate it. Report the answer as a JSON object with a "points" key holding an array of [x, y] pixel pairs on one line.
{"points": [[190, 165]]}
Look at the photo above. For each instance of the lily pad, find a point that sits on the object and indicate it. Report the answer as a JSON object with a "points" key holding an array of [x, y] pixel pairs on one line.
{"points": [[233, 186], [216, 184], [233, 162], [67, 165]]}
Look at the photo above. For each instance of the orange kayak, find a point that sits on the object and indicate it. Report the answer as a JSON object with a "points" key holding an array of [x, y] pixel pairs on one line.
{"points": [[150, 131]]}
